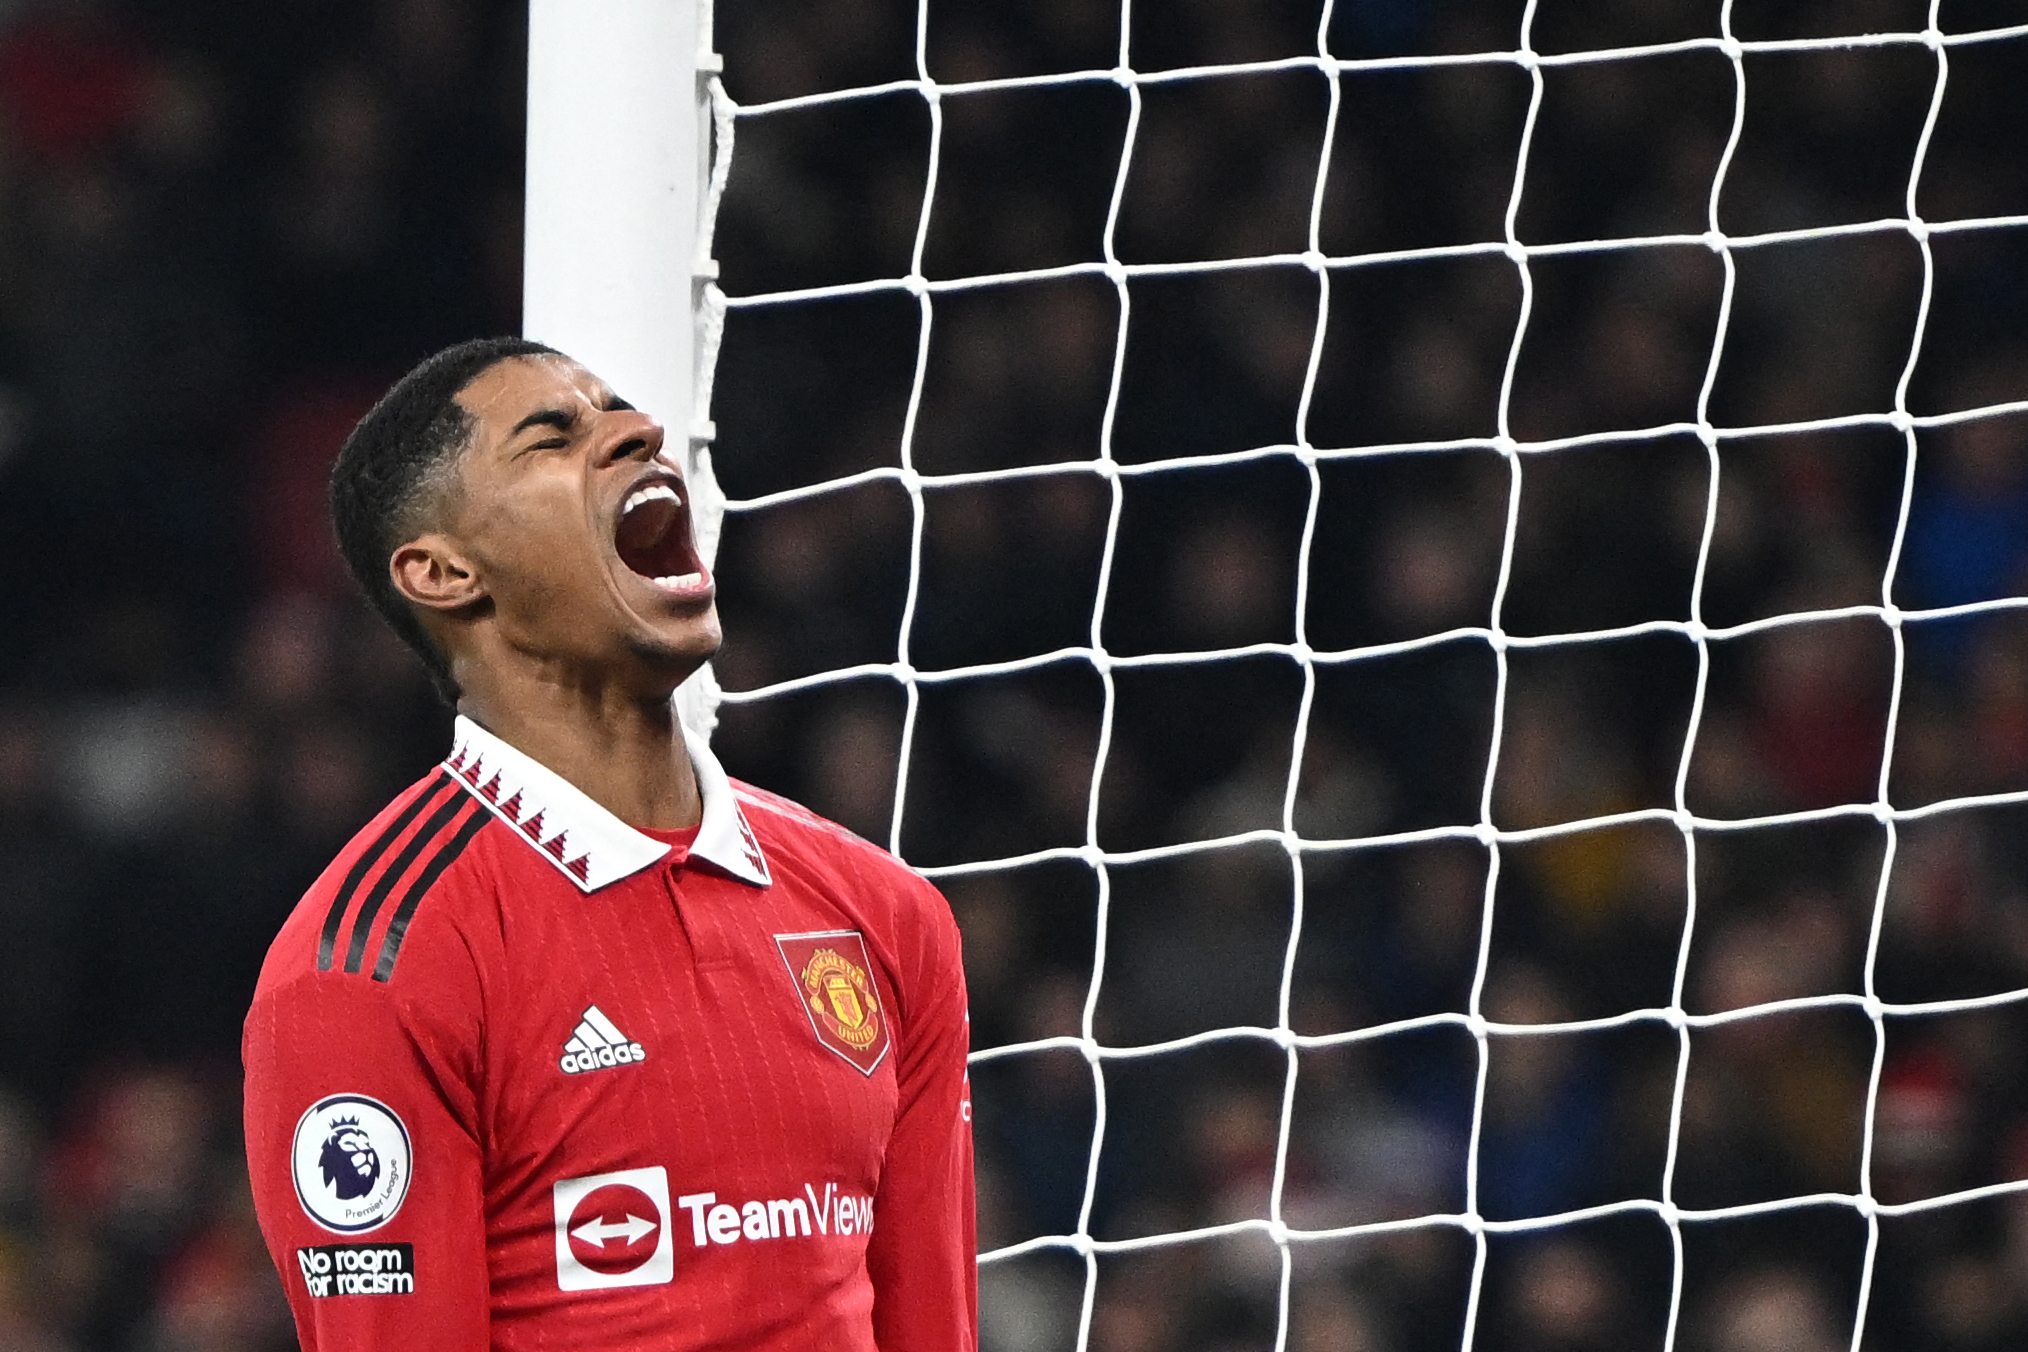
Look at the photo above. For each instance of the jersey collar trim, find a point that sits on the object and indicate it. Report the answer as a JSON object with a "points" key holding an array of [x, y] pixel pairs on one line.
{"points": [[580, 839]]}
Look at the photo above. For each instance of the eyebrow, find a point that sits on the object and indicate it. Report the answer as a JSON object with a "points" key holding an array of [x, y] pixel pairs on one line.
{"points": [[562, 419]]}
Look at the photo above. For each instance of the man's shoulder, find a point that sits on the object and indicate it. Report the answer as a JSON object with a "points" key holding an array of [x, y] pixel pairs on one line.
{"points": [[363, 912], [901, 913], [789, 831]]}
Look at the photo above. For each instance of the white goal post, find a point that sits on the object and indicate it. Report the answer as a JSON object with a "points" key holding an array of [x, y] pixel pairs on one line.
{"points": [[619, 128]]}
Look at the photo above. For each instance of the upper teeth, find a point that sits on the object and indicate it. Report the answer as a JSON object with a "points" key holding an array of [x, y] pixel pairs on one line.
{"points": [[649, 493]]}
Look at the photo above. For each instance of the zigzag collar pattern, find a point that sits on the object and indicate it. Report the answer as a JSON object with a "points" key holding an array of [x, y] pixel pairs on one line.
{"points": [[583, 841]]}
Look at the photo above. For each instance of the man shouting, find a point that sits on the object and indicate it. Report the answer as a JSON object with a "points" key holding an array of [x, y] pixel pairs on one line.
{"points": [[580, 1044]]}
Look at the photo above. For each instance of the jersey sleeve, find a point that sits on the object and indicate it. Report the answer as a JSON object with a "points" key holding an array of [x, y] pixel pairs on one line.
{"points": [[362, 1141], [922, 1256]]}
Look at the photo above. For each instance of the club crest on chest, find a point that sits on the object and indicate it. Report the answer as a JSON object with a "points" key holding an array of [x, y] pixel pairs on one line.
{"points": [[834, 983]]}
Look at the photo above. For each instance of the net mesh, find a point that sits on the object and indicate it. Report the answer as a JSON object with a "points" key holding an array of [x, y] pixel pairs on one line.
{"points": [[1504, 829]]}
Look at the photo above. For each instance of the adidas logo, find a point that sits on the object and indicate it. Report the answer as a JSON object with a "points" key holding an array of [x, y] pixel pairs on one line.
{"points": [[597, 1044]]}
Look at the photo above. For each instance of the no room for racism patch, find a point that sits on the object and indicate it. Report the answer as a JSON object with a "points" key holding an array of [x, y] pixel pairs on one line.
{"points": [[358, 1269]]}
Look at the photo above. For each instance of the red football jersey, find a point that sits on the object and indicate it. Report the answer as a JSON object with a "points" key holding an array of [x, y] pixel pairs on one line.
{"points": [[521, 1076]]}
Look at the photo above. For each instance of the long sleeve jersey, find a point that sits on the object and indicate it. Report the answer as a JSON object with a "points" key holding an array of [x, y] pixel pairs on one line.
{"points": [[519, 1076]]}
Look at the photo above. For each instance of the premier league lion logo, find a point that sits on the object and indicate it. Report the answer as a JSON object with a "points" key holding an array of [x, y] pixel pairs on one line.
{"points": [[350, 1163], [351, 1160]]}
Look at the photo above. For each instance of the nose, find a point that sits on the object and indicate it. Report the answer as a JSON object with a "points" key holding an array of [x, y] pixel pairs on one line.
{"points": [[631, 435]]}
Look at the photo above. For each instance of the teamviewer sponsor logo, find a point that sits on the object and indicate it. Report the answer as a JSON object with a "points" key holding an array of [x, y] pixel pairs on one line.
{"points": [[596, 1044], [613, 1230], [358, 1269], [830, 1212]]}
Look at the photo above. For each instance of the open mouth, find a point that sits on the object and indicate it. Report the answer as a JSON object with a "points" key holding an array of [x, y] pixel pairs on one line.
{"points": [[652, 537]]}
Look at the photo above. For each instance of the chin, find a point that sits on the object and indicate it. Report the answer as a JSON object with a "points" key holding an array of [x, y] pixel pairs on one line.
{"points": [[675, 656]]}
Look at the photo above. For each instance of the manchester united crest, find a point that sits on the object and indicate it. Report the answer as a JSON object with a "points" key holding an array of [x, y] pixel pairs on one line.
{"points": [[834, 982]]}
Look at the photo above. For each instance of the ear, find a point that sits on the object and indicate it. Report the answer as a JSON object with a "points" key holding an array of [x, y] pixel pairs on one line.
{"points": [[433, 573]]}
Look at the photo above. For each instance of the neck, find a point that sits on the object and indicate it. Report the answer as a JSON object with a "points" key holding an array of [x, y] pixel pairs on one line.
{"points": [[624, 752]]}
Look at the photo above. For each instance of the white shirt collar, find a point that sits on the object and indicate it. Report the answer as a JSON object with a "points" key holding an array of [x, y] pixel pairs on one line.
{"points": [[580, 839]]}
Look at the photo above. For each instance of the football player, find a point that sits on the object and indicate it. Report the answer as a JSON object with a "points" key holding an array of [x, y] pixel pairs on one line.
{"points": [[580, 1043]]}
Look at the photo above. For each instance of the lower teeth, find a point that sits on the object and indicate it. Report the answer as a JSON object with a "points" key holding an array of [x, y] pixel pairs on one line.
{"points": [[686, 580]]}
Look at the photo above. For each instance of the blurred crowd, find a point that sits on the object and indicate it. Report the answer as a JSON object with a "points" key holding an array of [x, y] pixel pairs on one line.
{"points": [[224, 226]]}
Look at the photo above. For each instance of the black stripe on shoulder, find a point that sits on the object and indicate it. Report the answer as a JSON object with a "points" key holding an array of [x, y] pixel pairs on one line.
{"points": [[390, 945], [426, 837], [327, 944]]}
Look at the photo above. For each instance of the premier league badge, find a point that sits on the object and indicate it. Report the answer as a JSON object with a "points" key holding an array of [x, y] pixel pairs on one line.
{"points": [[351, 1163]]}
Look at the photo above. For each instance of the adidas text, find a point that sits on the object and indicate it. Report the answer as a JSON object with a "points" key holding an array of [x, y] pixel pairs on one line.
{"points": [[577, 1063], [598, 1044]]}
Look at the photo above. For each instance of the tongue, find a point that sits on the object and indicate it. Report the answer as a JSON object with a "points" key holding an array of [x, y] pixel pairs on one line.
{"points": [[651, 539]]}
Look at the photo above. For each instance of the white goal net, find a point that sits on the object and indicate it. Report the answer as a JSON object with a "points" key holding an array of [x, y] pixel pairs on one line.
{"points": [[1442, 587]]}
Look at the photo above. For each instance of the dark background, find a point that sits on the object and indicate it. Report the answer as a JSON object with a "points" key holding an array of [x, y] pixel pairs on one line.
{"points": [[224, 227]]}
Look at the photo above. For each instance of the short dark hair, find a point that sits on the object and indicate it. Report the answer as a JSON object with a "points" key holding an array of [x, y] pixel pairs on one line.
{"points": [[388, 467]]}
